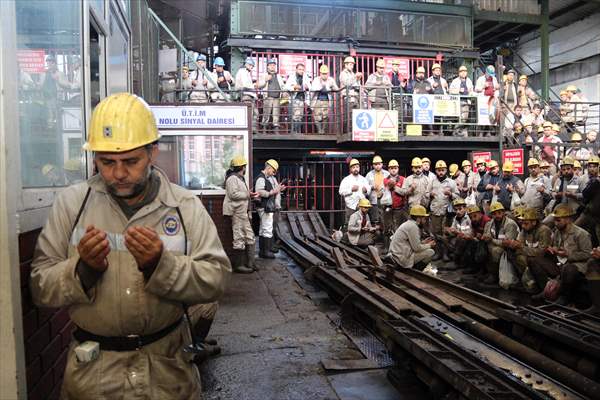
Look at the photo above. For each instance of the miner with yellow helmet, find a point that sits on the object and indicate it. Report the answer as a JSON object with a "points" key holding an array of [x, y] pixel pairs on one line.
{"points": [[269, 192], [537, 188], [488, 184], [407, 249], [350, 82], [378, 86], [498, 233], [459, 233], [353, 188], [420, 85], [236, 205], [566, 257], [321, 92], [122, 253], [398, 79], [416, 186], [437, 81], [443, 190], [567, 188], [590, 217], [360, 231], [394, 184], [531, 243], [380, 196]]}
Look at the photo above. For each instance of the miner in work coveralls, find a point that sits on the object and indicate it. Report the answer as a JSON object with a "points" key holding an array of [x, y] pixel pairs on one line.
{"points": [[126, 252]]}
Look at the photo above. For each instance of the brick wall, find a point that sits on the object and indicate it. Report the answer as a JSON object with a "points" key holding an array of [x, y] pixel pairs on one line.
{"points": [[47, 332]]}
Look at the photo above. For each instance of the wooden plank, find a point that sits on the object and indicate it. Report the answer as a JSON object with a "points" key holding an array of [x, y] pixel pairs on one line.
{"points": [[434, 293]]}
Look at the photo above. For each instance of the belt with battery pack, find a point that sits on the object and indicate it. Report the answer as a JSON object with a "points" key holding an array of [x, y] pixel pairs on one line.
{"points": [[124, 343]]}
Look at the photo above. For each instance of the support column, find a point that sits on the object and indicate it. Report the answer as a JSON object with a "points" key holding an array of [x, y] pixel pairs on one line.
{"points": [[545, 50]]}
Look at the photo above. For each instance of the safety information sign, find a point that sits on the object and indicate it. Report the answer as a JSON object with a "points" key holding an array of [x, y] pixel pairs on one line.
{"points": [[422, 109], [387, 126], [364, 125]]}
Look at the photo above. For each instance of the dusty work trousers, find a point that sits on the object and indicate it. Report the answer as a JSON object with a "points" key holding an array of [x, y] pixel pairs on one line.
{"points": [[321, 115], [588, 223], [347, 213], [350, 103], [242, 231], [266, 224], [399, 216], [366, 239], [493, 264], [438, 222], [422, 258], [297, 115], [545, 267], [199, 314], [270, 106]]}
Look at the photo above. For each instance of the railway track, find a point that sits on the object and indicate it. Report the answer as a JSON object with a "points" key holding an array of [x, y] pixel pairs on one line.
{"points": [[478, 346]]}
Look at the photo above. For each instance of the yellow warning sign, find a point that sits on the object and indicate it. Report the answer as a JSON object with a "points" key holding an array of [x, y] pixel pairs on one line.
{"points": [[387, 126]]}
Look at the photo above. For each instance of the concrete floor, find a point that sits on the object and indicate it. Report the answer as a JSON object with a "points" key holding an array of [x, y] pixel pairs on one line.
{"points": [[273, 338]]}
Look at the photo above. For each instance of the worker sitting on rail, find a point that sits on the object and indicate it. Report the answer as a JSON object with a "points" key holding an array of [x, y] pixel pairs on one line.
{"points": [[475, 251], [406, 248], [566, 257], [532, 241], [353, 188], [360, 231], [498, 233], [459, 232]]}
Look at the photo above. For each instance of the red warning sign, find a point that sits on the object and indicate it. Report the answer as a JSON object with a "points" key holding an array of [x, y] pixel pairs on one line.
{"points": [[386, 122], [516, 157]]}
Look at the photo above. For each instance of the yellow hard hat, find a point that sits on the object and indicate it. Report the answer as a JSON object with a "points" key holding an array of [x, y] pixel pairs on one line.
{"points": [[436, 65], [527, 123], [453, 169], [540, 129], [377, 159], [567, 161], [576, 136], [473, 209], [273, 164], [416, 162], [465, 163], [393, 163], [547, 124], [508, 166], [120, 123], [418, 211], [529, 214], [459, 202], [354, 161], [47, 168], [480, 161], [555, 127], [533, 162], [420, 69], [349, 59], [594, 160], [563, 210], [380, 63], [324, 69], [440, 164], [563, 93], [462, 68], [396, 61], [523, 77], [518, 211], [576, 164], [238, 161], [571, 88], [496, 206], [492, 164], [425, 159], [364, 203], [544, 164], [73, 164]]}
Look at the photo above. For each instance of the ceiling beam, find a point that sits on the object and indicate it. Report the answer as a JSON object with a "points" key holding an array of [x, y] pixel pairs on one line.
{"points": [[494, 28], [568, 8]]}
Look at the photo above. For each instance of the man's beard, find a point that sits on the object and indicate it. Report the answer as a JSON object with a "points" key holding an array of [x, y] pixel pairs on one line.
{"points": [[138, 188]]}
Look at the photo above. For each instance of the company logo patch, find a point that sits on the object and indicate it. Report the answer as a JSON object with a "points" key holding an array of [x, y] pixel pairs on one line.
{"points": [[171, 225]]}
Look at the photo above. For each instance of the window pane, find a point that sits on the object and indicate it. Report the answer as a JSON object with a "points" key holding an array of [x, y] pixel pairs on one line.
{"points": [[198, 162], [118, 56], [50, 100], [98, 5]]}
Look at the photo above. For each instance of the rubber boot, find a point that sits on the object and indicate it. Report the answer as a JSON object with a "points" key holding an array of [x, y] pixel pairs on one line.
{"points": [[386, 244], [445, 255], [237, 261], [438, 252], [250, 257], [594, 289], [274, 245], [265, 251], [269, 247]]}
